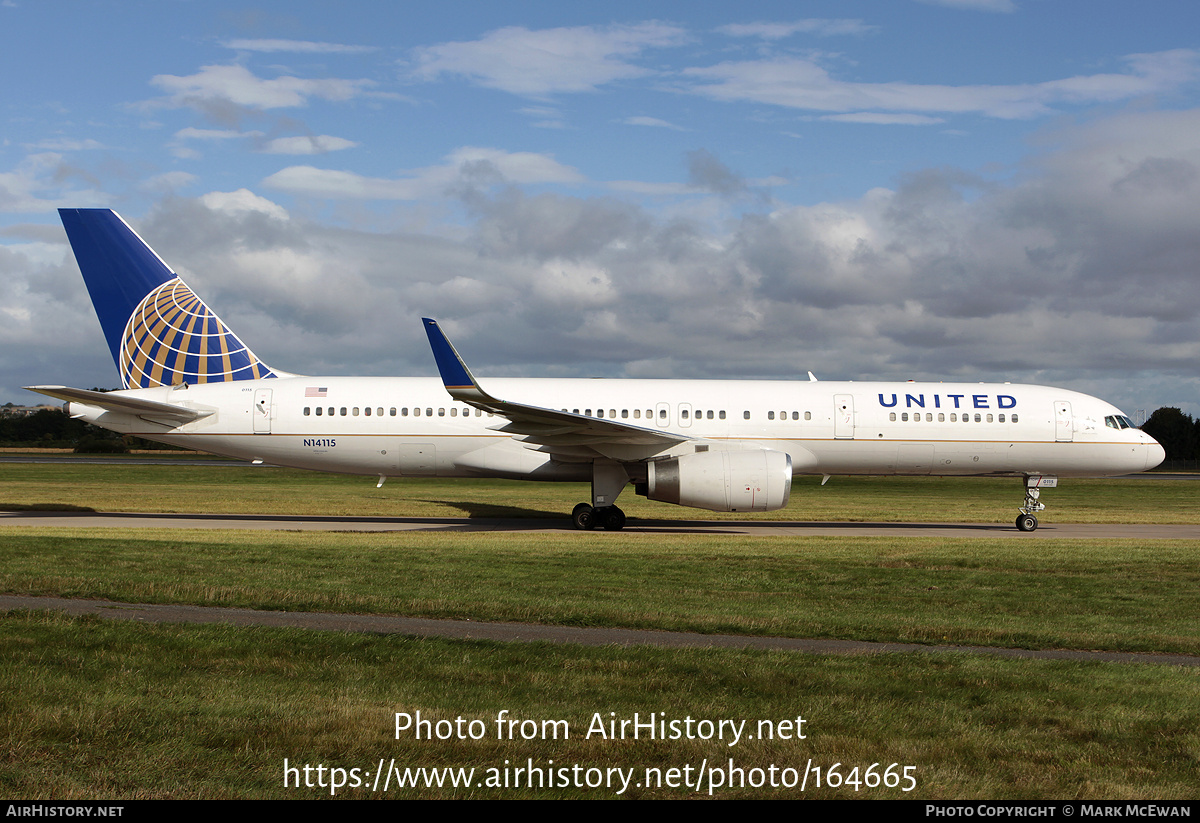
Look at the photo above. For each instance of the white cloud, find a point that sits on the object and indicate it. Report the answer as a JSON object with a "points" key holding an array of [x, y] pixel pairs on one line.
{"points": [[824, 27], [238, 85], [547, 61], [465, 166], [804, 84], [301, 46], [975, 5], [168, 181], [38, 184], [191, 133], [242, 201], [65, 144], [884, 118], [651, 121], [314, 144]]}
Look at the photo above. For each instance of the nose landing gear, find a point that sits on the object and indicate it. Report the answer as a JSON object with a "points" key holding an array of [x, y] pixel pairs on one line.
{"points": [[1027, 521]]}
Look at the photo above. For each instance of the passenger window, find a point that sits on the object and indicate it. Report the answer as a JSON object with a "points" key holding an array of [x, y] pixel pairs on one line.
{"points": [[428, 412], [953, 417], [662, 414], [710, 414], [637, 414], [770, 415], [306, 409], [453, 411], [892, 417], [808, 415], [721, 414], [1001, 418], [989, 418], [624, 414], [441, 412], [977, 420], [941, 417], [343, 411], [367, 411], [904, 417], [1014, 418], [331, 411], [319, 410], [745, 415], [356, 411]]}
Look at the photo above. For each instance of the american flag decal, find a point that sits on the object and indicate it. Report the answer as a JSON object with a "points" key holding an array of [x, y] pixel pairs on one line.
{"points": [[313, 391]]}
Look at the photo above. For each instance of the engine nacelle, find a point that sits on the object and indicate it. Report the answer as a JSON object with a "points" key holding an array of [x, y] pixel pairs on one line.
{"points": [[753, 480]]}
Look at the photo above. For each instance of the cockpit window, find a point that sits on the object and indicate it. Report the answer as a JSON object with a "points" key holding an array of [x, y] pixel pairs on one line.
{"points": [[1119, 421]]}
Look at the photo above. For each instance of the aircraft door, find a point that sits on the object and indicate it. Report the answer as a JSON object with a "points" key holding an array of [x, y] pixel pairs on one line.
{"points": [[843, 416], [262, 411], [1063, 422]]}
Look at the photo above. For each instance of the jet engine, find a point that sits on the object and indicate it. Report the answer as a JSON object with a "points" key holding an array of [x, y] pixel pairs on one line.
{"points": [[754, 480]]}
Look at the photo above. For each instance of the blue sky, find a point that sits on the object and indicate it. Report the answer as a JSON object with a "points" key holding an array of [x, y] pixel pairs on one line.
{"points": [[969, 189]]}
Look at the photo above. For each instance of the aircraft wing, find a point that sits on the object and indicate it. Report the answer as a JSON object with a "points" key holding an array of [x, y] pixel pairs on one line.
{"points": [[553, 428], [166, 413]]}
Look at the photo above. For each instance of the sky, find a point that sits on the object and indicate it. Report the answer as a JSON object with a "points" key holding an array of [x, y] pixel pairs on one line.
{"points": [[992, 190]]}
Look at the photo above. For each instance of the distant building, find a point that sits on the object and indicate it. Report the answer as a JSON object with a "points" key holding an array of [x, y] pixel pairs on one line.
{"points": [[13, 410]]}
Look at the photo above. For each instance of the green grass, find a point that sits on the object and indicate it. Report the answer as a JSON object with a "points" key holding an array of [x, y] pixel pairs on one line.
{"points": [[95, 709], [206, 489], [1105, 594]]}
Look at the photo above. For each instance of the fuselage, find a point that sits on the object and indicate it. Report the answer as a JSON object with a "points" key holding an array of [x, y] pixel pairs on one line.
{"points": [[411, 426]]}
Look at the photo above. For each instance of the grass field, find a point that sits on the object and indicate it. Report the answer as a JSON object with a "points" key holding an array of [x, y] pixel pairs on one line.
{"points": [[111, 710], [288, 491]]}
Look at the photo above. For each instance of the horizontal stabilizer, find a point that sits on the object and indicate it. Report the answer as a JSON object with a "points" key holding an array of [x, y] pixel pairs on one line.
{"points": [[123, 404]]}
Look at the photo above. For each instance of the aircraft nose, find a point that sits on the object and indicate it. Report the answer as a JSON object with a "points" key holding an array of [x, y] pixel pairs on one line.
{"points": [[1155, 454]]}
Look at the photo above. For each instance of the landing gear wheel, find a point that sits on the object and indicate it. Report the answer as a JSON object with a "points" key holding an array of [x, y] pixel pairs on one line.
{"points": [[1027, 522], [584, 517], [614, 519]]}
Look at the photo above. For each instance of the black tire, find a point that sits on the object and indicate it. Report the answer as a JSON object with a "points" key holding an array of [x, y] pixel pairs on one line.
{"points": [[1027, 522], [614, 519], [584, 517]]}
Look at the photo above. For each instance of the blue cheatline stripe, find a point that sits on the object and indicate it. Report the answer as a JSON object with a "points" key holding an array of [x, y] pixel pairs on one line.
{"points": [[450, 366]]}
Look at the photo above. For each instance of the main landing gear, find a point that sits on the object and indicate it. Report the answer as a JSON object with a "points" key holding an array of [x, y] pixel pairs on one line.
{"points": [[586, 518], [608, 479], [1027, 521]]}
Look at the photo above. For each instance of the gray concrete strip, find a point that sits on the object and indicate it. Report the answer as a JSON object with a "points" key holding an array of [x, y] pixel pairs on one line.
{"points": [[532, 633], [762, 528]]}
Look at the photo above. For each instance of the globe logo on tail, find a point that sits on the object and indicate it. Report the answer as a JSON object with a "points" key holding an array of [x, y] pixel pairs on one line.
{"points": [[173, 338]]}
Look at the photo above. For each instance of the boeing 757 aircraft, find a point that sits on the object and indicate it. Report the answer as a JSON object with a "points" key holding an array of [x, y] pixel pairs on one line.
{"points": [[711, 444]]}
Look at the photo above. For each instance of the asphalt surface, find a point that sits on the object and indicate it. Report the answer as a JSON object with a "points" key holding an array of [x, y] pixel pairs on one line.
{"points": [[763, 528]]}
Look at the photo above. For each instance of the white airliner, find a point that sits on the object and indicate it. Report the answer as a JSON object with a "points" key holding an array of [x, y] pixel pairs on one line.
{"points": [[711, 444]]}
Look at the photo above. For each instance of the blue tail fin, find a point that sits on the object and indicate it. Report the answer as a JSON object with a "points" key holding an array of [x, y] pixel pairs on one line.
{"points": [[160, 333]]}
